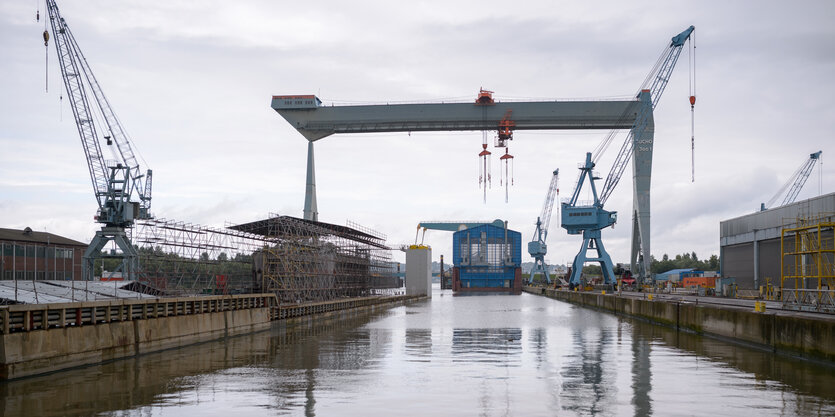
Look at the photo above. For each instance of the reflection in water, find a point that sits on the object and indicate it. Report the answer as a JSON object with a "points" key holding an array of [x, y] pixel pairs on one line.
{"points": [[419, 344], [585, 384], [641, 375], [489, 356], [500, 347]]}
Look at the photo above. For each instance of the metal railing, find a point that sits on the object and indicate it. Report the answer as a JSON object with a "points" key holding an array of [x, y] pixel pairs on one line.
{"points": [[28, 317], [290, 311]]}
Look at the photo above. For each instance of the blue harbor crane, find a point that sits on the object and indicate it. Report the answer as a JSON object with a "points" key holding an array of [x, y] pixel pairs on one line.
{"points": [[537, 247], [589, 219], [115, 182], [794, 184]]}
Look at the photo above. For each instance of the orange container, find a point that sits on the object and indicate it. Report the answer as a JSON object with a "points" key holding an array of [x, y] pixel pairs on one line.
{"points": [[706, 282]]}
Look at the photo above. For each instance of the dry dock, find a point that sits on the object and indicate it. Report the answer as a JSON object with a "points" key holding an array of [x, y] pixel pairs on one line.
{"points": [[807, 335], [43, 338]]}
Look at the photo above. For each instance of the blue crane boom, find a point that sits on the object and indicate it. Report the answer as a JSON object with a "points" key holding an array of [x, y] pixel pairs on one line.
{"points": [[589, 220], [537, 247], [114, 182], [795, 182]]}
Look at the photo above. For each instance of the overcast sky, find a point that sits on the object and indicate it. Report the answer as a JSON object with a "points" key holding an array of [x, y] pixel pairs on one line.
{"points": [[192, 83]]}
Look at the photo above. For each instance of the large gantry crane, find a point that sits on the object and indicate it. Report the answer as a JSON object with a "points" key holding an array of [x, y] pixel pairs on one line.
{"points": [[794, 184], [115, 183], [537, 247], [589, 220], [314, 121]]}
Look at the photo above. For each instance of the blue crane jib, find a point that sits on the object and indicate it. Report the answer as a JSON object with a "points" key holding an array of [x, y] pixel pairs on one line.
{"points": [[537, 247], [589, 220]]}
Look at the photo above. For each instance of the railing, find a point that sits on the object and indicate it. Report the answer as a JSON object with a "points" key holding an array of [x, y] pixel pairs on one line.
{"points": [[28, 317], [290, 311], [809, 300]]}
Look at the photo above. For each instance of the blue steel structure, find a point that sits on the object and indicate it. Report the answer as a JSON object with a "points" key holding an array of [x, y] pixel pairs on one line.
{"points": [[795, 183], [537, 247], [115, 183], [589, 220], [487, 258]]}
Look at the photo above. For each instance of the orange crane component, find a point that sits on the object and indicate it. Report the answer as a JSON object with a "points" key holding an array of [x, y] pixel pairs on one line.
{"points": [[506, 126], [485, 98]]}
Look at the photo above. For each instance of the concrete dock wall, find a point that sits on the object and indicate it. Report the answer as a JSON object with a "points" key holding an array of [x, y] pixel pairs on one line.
{"points": [[42, 338], [39, 339], [793, 334]]}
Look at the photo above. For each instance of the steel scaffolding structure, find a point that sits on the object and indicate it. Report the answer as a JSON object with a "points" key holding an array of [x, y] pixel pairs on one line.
{"points": [[299, 260], [808, 263], [308, 260], [184, 258]]}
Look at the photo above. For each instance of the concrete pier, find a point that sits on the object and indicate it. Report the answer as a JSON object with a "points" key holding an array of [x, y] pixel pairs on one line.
{"points": [[810, 336]]}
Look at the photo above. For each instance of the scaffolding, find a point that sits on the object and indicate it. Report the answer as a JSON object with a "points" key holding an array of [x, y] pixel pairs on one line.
{"points": [[299, 260], [182, 258], [309, 261], [807, 263]]}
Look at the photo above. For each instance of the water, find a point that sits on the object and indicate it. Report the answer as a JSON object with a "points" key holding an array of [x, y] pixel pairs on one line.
{"points": [[451, 356]]}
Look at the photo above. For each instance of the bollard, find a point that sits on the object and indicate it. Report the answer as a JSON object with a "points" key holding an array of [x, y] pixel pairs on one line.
{"points": [[603, 292], [649, 297]]}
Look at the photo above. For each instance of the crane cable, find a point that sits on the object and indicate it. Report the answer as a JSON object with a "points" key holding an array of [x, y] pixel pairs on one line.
{"points": [[692, 69]]}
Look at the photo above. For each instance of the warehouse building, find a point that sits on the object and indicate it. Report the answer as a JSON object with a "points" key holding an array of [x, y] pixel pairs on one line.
{"points": [[750, 245], [29, 255]]}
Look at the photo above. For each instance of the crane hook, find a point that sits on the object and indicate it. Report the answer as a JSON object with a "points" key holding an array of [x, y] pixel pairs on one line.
{"points": [[45, 38]]}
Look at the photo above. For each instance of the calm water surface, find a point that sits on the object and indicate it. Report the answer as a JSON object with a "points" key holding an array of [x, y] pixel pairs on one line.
{"points": [[451, 356]]}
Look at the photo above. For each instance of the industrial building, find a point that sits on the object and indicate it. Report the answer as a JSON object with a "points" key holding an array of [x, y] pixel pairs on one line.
{"points": [[487, 258], [30, 255], [751, 250]]}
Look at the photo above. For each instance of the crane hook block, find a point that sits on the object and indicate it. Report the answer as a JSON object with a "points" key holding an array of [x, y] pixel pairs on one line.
{"points": [[692, 101], [45, 38]]}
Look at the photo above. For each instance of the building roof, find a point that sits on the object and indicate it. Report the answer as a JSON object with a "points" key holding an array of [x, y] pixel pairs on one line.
{"points": [[665, 275], [279, 227], [763, 225], [43, 292], [28, 235]]}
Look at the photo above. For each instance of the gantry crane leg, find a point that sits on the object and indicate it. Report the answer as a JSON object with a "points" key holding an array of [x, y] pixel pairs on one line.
{"points": [[592, 240]]}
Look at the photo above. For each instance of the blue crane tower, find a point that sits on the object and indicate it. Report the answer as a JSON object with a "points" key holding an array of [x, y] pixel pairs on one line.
{"points": [[115, 182], [537, 247], [795, 183], [589, 219]]}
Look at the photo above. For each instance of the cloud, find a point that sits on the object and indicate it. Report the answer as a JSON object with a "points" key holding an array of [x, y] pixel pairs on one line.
{"points": [[192, 82]]}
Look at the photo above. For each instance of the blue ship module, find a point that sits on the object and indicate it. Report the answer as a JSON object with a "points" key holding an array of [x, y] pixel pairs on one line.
{"points": [[487, 258]]}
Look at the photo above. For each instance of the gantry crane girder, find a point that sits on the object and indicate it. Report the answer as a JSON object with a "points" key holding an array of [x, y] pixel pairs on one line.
{"points": [[316, 121]]}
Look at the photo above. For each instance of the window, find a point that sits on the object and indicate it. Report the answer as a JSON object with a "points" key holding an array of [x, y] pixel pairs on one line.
{"points": [[41, 252], [8, 249], [18, 250], [30, 251]]}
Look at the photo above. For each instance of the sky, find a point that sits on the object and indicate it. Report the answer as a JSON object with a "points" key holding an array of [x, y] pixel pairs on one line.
{"points": [[192, 83]]}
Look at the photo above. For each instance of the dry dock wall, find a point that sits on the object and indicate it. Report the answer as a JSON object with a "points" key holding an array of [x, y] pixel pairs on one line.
{"points": [[44, 338], [810, 338], [38, 339]]}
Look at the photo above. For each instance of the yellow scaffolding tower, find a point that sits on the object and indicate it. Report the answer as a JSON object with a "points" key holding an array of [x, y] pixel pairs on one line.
{"points": [[807, 259]]}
